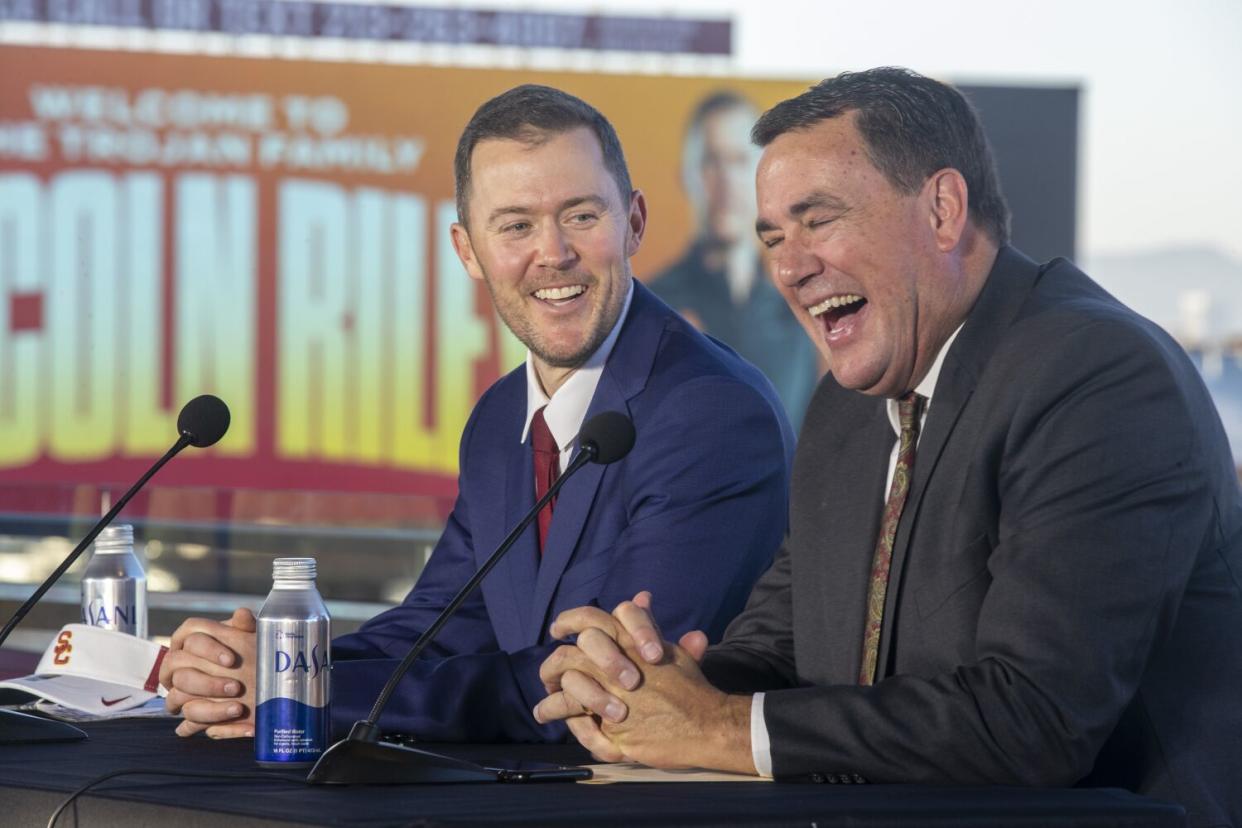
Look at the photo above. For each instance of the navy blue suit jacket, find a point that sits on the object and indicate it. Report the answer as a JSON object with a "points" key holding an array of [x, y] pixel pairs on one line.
{"points": [[694, 513]]}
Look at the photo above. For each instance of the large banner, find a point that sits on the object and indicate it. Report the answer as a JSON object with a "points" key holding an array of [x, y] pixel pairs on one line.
{"points": [[273, 232], [276, 232]]}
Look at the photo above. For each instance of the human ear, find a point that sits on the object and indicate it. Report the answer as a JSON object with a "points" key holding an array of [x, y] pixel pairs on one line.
{"points": [[948, 202], [465, 250], [637, 222]]}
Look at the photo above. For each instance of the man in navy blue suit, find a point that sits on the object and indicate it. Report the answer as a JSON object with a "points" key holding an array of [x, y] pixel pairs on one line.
{"points": [[548, 220]]}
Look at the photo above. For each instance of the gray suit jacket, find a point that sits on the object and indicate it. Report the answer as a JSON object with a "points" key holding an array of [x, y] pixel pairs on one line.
{"points": [[1064, 603]]}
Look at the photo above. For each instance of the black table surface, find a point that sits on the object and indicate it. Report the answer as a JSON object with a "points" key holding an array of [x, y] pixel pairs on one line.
{"points": [[35, 778]]}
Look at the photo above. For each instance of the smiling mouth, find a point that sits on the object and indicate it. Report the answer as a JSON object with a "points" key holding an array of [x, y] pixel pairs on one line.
{"points": [[559, 295], [837, 309]]}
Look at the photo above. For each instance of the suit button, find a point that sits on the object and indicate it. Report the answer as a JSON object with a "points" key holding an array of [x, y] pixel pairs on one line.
{"points": [[859, 780], [818, 777]]}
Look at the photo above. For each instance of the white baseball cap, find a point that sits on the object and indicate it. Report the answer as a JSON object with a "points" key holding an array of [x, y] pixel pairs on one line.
{"points": [[96, 670]]}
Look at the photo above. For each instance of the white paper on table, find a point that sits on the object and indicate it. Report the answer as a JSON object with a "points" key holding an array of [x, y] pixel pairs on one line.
{"points": [[153, 709], [634, 772]]}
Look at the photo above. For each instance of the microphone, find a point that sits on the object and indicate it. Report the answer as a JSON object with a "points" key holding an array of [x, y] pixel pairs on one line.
{"points": [[361, 758], [201, 423]]}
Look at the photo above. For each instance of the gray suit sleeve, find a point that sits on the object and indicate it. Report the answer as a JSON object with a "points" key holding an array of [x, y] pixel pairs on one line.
{"points": [[756, 652]]}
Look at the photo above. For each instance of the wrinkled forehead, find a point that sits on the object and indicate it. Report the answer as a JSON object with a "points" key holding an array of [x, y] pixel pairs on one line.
{"points": [[828, 156]]}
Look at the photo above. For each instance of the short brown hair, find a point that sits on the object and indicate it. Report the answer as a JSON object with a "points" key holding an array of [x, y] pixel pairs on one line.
{"points": [[530, 113], [912, 126]]}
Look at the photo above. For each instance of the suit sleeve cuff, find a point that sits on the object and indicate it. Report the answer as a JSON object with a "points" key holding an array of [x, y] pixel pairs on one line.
{"points": [[760, 747]]}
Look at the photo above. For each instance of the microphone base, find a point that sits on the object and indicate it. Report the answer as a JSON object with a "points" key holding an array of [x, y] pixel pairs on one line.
{"points": [[24, 729], [357, 762]]}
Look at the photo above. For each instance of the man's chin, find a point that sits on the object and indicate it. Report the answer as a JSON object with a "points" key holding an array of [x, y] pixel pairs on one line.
{"points": [[564, 358], [860, 379]]}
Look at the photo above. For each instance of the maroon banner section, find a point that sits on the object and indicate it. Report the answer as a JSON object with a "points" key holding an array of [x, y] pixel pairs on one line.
{"points": [[386, 22]]}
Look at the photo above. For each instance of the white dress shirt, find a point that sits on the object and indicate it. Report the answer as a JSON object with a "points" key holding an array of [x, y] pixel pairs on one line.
{"points": [[760, 743], [568, 406]]}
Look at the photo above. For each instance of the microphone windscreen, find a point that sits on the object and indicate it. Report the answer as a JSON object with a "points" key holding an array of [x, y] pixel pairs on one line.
{"points": [[204, 420], [612, 434]]}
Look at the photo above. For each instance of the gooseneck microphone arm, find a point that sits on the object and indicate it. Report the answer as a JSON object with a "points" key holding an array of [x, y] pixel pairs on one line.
{"points": [[361, 757], [202, 422], [181, 443], [368, 728]]}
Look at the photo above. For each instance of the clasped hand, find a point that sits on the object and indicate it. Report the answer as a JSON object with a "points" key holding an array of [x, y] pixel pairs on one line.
{"points": [[626, 694], [209, 672]]}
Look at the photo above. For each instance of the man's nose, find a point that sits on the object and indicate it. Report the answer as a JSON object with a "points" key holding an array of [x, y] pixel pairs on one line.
{"points": [[793, 264], [555, 251]]}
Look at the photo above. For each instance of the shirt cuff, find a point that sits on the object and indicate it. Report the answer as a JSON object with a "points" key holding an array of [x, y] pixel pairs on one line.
{"points": [[760, 747]]}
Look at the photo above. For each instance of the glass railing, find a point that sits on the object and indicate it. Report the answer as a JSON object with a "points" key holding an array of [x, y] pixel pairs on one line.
{"points": [[207, 551]]}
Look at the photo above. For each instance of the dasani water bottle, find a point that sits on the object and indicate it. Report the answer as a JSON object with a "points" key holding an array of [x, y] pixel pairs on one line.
{"points": [[292, 663], [114, 586]]}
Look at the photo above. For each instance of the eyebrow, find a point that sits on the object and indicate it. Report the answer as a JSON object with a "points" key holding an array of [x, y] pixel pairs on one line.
{"points": [[815, 200], [567, 204], [811, 202]]}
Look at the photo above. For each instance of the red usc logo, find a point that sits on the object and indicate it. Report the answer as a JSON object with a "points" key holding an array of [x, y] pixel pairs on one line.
{"points": [[63, 648]]}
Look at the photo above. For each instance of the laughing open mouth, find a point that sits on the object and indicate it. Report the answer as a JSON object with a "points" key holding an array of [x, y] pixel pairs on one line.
{"points": [[836, 309]]}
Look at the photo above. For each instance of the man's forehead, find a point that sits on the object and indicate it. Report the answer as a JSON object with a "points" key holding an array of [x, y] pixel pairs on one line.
{"points": [[814, 157]]}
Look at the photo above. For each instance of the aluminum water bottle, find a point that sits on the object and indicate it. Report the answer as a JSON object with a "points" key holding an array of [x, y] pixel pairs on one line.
{"points": [[114, 586], [292, 662]]}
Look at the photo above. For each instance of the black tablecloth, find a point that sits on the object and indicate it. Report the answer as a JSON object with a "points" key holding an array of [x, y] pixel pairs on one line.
{"points": [[28, 771]]}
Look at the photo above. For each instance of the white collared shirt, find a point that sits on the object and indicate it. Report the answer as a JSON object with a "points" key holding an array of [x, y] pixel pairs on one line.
{"points": [[760, 742], [568, 406]]}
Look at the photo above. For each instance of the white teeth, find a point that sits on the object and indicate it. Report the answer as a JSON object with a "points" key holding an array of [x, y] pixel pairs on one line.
{"points": [[834, 302], [560, 292]]}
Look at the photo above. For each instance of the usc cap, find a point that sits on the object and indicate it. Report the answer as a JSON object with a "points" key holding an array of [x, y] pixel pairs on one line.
{"points": [[96, 670]]}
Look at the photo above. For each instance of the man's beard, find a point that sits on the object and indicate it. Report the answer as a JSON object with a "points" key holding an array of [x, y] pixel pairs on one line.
{"points": [[523, 327]]}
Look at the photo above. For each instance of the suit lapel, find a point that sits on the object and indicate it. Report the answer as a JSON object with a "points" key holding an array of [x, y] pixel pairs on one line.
{"points": [[1008, 285], [624, 375], [518, 568], [572, 507], [864, 443]]}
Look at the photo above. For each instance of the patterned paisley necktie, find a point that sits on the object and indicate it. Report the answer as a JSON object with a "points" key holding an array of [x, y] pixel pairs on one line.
{"points": [[908, 409]]}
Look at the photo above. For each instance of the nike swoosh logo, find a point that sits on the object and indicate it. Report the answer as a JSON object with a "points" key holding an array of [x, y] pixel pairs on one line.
{"points": [[110, 702]]}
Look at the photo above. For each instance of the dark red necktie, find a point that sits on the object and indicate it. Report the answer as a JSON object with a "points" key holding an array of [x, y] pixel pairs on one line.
{"points": [[547, 469]]}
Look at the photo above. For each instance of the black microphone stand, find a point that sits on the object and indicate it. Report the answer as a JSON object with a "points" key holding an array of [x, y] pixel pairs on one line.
{"points": [[21, 728], [361, 758]]}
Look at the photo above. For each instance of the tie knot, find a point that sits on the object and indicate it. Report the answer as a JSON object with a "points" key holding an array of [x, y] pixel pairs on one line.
{"points": [[541, 436], [909, 408]]}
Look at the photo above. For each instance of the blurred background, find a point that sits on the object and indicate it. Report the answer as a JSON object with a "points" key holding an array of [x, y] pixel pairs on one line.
{"points": [[251, 198]]}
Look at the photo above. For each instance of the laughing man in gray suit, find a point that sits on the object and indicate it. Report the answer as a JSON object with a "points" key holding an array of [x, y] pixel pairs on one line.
{"points": [[1015, 536]]}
